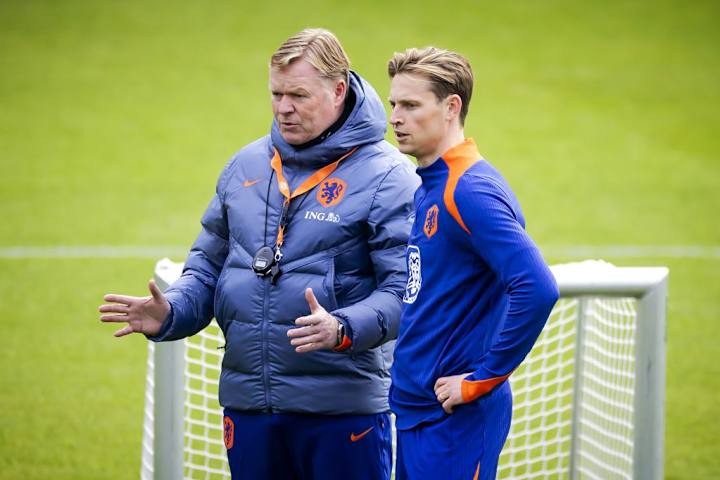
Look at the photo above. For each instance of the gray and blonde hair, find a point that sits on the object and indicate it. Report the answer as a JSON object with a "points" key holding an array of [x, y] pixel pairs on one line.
{"points": [[448, 72], [320, 48]]}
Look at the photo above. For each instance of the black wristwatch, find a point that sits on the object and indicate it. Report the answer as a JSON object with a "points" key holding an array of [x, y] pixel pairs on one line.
{"points": [[340, 333]]}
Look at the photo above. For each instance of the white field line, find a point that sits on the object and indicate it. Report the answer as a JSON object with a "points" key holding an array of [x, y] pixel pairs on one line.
{"points": [[632, 251], [95, 251], [156, 252]]}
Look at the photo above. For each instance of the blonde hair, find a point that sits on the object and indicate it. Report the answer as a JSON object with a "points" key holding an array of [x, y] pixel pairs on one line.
{"points": [[448, 72], [319, 47]]}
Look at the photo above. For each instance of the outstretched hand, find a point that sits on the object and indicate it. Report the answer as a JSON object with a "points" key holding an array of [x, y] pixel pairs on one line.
{"points": [[142, 314], [315, 331]]}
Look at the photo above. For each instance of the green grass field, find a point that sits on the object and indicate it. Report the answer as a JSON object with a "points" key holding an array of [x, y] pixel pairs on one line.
{"points": [[117, 117]]}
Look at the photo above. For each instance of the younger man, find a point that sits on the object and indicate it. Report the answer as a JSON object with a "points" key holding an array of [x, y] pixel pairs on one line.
{"points": [[478, 291]]}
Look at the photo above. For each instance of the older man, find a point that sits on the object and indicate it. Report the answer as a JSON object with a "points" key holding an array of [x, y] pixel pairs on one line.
{"points": [[301, 260]]}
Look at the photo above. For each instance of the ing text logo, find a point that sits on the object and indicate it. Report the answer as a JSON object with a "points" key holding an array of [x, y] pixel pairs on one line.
{"points": [[322, 216]]}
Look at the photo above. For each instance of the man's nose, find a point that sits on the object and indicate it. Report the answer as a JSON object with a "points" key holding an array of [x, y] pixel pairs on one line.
{"points": [[285, 105], [395, 118]]}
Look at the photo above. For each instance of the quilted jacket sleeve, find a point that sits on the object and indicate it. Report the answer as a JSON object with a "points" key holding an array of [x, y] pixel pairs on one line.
{"points": [[375, 320], [191, 297]]}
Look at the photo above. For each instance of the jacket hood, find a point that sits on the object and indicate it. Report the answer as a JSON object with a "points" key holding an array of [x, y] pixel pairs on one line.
{"points": [[365, 124]]}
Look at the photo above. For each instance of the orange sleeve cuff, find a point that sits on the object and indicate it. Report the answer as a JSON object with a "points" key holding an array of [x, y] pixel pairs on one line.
{"points": [[346, 342], [474, 389]]}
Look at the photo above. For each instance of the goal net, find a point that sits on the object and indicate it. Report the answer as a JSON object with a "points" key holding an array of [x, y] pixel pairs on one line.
{"points": [[588, 401]]}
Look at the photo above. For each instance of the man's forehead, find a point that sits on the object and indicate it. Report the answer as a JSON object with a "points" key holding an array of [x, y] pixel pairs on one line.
{"points": [[298, 74], [405, 86]]}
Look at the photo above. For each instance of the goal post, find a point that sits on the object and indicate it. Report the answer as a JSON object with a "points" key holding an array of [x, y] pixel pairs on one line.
{"points": [[588, 400], [644, 290]]}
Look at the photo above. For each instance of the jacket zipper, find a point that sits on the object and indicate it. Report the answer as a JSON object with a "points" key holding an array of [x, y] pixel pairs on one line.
{"points": [[265, 354]]}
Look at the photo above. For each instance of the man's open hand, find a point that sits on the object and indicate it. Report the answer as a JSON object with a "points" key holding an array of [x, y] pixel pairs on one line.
{"points": [[142, 314]]}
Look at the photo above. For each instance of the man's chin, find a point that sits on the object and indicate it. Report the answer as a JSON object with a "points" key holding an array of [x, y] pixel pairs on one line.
{"points": [[293, 138], [406, 149]]}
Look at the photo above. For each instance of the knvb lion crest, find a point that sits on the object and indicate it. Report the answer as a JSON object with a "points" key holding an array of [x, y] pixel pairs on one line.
{"points": [[331, 192], [228, 432], [431, 221]]}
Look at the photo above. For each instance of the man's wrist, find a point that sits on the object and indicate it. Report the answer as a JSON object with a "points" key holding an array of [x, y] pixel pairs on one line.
{"points": [[340, 333], [342, 341]]}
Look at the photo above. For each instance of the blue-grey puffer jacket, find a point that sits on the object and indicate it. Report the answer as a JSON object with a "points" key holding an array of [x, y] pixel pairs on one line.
{"points": [[351, 253]]}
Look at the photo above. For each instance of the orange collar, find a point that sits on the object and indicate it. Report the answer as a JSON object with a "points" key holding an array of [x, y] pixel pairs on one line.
{"points": [[464, 151], [311, 182]]}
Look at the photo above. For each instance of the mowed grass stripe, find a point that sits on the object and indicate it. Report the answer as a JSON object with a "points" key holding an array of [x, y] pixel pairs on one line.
{"points": [[160, 251]]}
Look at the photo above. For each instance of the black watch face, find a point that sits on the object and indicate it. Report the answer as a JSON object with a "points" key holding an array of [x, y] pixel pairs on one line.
{"points": [[263, 261], [341, 334]]}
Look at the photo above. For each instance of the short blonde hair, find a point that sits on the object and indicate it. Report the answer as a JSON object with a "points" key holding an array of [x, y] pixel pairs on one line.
{"points": [[319, 47], [448, 72]]}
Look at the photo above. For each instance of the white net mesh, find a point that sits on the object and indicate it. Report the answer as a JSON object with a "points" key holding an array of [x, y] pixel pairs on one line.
{"points": [[146, 466], [540, 432], [573, 396], [541, 437], [204, 448], [547, 419], [605, 430]]}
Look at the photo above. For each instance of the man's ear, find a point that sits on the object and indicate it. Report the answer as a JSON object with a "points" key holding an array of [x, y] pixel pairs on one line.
{"points": [[340, 91], [454, 105]]}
